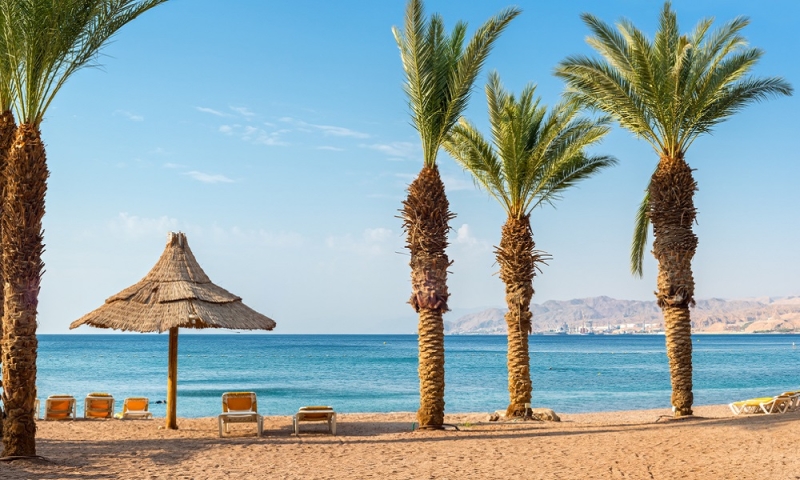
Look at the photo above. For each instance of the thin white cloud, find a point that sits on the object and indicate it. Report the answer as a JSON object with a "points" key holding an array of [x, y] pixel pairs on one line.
{"points": [[327, 130], [255, 135], [259, 238], [372, 242], [130, 116], [207, 177], [212, 111], [132, 226], [243, 111], [333, 149], [452, 184], [396, 150], [464, 237], [173, 165]]}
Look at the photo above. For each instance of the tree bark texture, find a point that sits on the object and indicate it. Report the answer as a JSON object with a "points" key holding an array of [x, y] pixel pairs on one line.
{"points": [[22, 236], [517, 260], [426, 215], [672, 214], [8, 128]]}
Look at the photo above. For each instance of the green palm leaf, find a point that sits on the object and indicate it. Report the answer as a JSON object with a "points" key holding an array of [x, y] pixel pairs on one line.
{"points": [[49, 40], [668, 91], [533, 156], [440, 71]]}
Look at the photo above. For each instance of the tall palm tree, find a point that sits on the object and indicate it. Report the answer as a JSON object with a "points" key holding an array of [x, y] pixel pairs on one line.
{"points": [[439, 74], [8, 128], [533, 158], [48, 40], [669, 91]]}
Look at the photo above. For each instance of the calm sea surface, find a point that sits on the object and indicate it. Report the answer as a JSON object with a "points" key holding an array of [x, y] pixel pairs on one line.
{"points": [[378, 373]]}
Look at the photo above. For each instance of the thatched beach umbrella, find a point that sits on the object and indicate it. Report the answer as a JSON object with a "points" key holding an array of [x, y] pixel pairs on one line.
{"points": [[175, 293]]}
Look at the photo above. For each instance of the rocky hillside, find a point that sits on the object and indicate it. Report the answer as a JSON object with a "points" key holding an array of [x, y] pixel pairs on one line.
{"points": [[608, 315]]}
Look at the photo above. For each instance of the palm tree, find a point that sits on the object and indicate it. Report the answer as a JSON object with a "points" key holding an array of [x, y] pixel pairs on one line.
{"points": [[8, 127], [439, 74], [669, 91], [48, 41], [534, 158]]}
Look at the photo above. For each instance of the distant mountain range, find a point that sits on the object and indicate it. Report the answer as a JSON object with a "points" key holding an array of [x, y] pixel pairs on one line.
{"points": [[609, 315]]}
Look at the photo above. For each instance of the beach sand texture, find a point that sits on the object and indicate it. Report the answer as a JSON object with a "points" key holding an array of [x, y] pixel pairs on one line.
{"points": [[643, 444]]}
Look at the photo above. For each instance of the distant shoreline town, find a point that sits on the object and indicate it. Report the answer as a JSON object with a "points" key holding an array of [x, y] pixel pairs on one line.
{"points": [[608, 316]]}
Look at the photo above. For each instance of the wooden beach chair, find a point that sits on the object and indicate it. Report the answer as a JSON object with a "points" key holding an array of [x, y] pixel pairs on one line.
{"points": [[98, 405], [60, 407], [315, 414], [135, 408], [240, 407]]}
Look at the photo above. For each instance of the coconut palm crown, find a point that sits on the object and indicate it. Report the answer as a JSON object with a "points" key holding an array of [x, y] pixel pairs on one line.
{"points": [[669, 91], [46, 41], [534, 156], [439, 72]]}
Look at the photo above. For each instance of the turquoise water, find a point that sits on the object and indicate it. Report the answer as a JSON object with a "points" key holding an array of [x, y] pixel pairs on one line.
{"points": [[378, 373]]}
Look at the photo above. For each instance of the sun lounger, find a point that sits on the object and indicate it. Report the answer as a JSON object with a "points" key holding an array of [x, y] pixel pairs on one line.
{"points": [[795, 400], [135, 407], [60, 407], [315, 414], [98, 405], [36, 405], [779, 404], [768, 405], [240, 407]]}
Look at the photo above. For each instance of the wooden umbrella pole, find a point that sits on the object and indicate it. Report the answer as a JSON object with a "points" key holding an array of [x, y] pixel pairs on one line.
{"points": [[172, 380]]}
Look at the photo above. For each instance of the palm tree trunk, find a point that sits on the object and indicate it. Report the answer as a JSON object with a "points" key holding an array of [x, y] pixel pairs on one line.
{"points": [[516, 258], [672, 213], [23, 205], [425, 217], [8, 128]]}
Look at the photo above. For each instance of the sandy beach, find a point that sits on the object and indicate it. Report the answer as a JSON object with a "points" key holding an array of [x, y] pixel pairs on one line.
{"points": [[644, 444]]}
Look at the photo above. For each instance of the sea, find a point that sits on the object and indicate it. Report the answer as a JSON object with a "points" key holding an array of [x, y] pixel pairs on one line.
{"points": [[378, 373]]}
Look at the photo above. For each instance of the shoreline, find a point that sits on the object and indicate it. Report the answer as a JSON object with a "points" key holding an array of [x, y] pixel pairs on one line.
{"points": [[633, 444]]}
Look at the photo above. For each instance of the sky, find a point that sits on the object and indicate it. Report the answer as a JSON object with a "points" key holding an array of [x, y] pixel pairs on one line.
{"points": [[277, 136]]}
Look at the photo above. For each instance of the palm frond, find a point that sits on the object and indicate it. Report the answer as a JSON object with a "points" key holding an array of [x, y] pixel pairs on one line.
{"points": [[49, 40], [640, 231], [470, 150], [668, 91], [534, 156], [595, 84], [440, 70]]}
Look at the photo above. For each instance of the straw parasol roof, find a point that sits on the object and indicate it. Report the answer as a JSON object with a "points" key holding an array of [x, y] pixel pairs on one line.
{"points": [[175, 293]]}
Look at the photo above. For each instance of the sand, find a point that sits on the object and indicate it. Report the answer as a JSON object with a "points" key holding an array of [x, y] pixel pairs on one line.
{"points": [[632, 445]]}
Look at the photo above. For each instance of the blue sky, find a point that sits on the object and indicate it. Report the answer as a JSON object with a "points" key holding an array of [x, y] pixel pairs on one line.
{"points": [[277, 136]]}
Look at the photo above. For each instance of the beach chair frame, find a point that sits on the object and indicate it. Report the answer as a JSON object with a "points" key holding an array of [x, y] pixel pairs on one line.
{"points": [[232, 414], [778, 404], [136, 413], [91, 408], [767, 405], [68, 413], [315, 414]]}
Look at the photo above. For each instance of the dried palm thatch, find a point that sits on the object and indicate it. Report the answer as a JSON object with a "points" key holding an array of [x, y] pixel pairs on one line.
{"points": [[175, 293]]}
